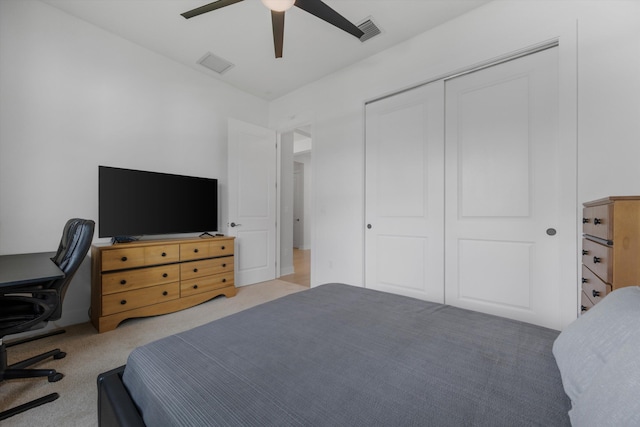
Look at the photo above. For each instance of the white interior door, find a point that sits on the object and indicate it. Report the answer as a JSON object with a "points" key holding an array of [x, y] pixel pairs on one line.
{"points": [[252, 200], [404, 193], [503, 190]]}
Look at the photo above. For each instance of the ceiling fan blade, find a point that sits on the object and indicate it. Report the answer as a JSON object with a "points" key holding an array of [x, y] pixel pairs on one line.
{"points": [[324, 12], [277, 21], [208, 8]]}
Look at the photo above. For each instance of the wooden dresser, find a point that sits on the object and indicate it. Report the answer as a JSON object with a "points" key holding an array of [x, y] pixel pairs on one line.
{"points": [[154, 277], [610, 247]]}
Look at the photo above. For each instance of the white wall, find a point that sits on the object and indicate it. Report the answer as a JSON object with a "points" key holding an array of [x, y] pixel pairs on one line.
{"points": [[73, 97], [599, 78]]}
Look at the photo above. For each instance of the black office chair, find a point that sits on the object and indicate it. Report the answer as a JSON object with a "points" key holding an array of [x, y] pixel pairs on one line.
{"points": [[32, 306]]}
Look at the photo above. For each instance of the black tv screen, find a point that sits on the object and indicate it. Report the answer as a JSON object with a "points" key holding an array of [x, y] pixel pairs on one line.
{"points": [[134, 203]]}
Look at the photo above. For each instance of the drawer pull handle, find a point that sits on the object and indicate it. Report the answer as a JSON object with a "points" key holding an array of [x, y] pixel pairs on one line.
{"points": [[195, 286], [224, 265], [597, 221], [123, 302], [123, 282], [123, 259], [195, 250], [165, 275], [164, 254], [583, 308], [585, 280], [165, 293], [595, 293], [224, 280], [585, 252], [222, 248], [596, 259], [585, 220], [195, 270]]}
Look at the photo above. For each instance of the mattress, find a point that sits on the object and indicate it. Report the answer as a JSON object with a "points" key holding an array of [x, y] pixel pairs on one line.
{"points": [[339, 355]]}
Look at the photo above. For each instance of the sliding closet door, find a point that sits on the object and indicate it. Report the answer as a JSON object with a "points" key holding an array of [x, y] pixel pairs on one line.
{"points": [[503, 190], [404, 193]]}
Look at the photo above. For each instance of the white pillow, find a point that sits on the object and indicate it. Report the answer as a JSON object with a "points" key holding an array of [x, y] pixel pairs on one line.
{"points": [[612, 398], [587, 344]]}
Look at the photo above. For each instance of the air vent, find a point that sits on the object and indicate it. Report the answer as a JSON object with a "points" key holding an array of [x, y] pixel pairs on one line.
{"points": [[369, 28], [215, 63]]}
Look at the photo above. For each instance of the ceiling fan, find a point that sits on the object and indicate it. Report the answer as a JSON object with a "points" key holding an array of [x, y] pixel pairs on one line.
{"points": [[278, 8]]}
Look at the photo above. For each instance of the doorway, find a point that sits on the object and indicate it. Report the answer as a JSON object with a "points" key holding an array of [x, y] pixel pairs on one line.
{"points": [[295, 206]]}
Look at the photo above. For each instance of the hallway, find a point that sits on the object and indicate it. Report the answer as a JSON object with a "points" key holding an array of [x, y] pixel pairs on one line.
{"points": [[301, 267]]}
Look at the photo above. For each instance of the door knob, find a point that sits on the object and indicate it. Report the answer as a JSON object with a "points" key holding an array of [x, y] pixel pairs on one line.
{"points": [[551, 231], [233, 224]]}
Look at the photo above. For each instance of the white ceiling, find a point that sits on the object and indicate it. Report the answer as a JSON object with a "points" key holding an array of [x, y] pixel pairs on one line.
{"points": [[242, 34]]}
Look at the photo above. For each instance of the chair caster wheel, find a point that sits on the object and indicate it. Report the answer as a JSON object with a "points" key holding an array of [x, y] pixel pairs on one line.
{"points": [[60, 355], [55, 377]]}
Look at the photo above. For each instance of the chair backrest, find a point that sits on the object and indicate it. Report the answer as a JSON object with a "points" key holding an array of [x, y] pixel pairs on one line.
{"points": [[74, 246]]}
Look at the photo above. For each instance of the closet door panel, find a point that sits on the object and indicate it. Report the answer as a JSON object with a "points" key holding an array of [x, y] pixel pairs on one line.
{"points": [[503, 190], [494, 161], [509, 264], [404, 193]]}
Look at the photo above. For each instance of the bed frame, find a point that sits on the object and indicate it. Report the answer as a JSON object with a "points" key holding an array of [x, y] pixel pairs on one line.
{"points": [[115, 407]]}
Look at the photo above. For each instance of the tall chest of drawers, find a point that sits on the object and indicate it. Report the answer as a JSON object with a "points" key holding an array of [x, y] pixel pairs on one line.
{"points": [[610, 247], [157, 277]]}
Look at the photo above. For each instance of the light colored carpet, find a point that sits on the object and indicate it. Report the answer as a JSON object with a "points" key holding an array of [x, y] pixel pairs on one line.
{"points": [[90, 353]]}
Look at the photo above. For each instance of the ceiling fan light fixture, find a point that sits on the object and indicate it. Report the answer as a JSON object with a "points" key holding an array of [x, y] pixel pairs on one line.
{"points": [[278, 5]]}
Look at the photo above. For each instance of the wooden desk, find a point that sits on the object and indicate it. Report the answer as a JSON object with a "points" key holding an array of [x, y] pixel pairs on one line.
{"points": [[24, 269]]}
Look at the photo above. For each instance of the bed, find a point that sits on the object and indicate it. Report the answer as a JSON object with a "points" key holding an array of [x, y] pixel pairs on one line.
{"points": [[340, 355]]}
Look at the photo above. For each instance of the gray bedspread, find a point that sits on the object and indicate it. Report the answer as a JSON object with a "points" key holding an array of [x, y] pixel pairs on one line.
{"points": [[339, 355]]}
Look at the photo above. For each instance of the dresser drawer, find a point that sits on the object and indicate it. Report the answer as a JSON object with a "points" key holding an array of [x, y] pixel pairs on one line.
{"points": [[206, 267], [125, 280], [593, 287], [221, 247], [598, 221], [117, 259], [585, 302], [196, 250], [129, 300], [154, 255], [205, 284], [598, 258]]}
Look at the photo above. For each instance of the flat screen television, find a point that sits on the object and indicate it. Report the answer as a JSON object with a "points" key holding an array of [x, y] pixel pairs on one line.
{"points": [[134, 203]]}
